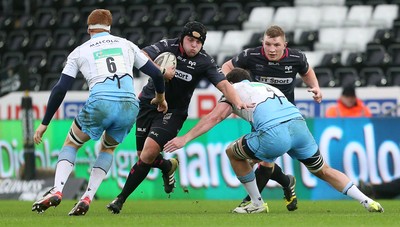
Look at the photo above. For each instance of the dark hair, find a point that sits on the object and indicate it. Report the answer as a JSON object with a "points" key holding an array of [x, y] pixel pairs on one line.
{"points": [[194, 29], [237, 75], [349, 91]]}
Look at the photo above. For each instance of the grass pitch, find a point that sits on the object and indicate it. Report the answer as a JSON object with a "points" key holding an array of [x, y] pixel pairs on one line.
{"points": [[201, 213]]}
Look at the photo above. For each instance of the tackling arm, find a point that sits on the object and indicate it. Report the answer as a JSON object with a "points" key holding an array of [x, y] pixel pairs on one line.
{"points": [[219, 113]]}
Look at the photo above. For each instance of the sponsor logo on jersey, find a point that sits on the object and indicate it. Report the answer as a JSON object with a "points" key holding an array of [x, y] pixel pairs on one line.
{"points": [[191, 64], [182, 75], [105, 41], [259, 67], [273, 63], [275, 80], [141, 129], [288, 69], [295, 56]]}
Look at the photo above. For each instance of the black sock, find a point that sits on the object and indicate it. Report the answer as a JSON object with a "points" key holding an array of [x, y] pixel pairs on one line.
{"points": [[280, 177], [137, 174], [263, 175], [161, 163]]}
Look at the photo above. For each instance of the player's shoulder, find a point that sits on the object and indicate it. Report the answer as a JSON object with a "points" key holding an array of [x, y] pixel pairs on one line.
{"points": [[295, 52]]}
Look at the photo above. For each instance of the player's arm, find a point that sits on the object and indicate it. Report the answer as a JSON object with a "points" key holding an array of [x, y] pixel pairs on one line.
{"points": [[231, 95], [310, 79], [221, 111], [227, 67], [57, 95]]}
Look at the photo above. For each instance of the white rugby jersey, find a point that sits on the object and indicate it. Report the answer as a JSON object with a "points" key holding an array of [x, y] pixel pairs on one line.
{"points": [[271, 105], [104, 56]]}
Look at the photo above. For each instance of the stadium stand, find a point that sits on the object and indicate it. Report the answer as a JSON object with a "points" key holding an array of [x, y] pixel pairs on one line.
{"points": [[356, 41]]}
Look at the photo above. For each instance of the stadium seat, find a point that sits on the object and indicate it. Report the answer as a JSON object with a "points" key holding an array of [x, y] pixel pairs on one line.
{"points": [[183, 13], [137, 16], [63, 39], [314, 58], [358, 16], [356, 38], [394, 52], [118, 15], [307, 2], [353, 59], [373, 76], [347, 76], [17, 40], [155, 34], [325, 77], [285, 17], [40, 39], [330, 39], [23, 21], [135, 35], [384, 15], [255, 40], [82, 36], [306, 38], [280, 3], [393, 76], [12, 59], [49, 80], [208, 14], [45, 18], [36, 61], [233, 41], [161, 15], [231, 14], [308, 18], [35, 81], [56, 60], [259, 19], [3, 39], [213, 42], [332, 2], [68, 17], [333, 16], [376, 55], [249, 6]]}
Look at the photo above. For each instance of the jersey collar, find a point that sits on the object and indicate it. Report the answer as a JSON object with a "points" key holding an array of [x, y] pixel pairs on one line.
{"points": [[283, 56], [100, 34]]}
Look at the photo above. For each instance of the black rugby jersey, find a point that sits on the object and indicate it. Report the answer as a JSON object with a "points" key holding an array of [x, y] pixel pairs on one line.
{"points": [[280, 74], [189, 72]]}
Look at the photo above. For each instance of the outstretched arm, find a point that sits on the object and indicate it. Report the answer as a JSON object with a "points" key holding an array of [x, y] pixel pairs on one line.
{"points": [[311, 80], [219, 113]]}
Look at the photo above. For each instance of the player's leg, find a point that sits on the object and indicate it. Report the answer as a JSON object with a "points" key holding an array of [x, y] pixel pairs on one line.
{"points": [[238, 156], [65, 165]]}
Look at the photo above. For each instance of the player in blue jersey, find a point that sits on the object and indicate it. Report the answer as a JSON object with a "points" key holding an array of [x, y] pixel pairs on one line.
{"points": [[275, 64], [106, 62], [154, 129], [279, 128]]}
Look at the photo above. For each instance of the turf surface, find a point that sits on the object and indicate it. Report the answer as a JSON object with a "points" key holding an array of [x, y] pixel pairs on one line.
{"points": [[201, 213]]}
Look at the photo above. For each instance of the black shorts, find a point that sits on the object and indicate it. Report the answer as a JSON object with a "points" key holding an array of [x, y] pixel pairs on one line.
{"points": [[158, 126]]}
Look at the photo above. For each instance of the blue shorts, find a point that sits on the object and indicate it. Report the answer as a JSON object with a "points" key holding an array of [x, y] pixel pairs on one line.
{"points": [[115, 117], [292, 137]]}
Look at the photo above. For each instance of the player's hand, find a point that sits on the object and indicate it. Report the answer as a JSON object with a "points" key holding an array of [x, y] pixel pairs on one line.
{"points": [[169, 73], [37, 137], [159, 100], [174, 144], [317, 94]]}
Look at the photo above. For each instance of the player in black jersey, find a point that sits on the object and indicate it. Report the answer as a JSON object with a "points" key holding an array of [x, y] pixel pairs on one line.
{"points": [[276, 64], [154, 129]]}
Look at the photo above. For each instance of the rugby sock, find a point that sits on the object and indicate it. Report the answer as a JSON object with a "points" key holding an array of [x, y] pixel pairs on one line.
{"points": [[262, 177], [99, 172], [249, 183], [280, 177], [137, 174], [65, 165], [352, 191], [161, 163]]}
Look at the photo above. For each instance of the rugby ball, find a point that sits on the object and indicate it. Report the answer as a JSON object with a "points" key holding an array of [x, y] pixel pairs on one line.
{"points": [[166, 59]]}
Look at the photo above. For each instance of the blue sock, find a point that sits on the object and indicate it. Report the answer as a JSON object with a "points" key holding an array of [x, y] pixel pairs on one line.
{"points": [[247, 178], [67, 153], [103, 161]]}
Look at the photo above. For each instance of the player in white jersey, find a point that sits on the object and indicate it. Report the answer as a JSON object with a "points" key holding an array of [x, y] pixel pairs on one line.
{"points": [[106, 61], [279, 128]]}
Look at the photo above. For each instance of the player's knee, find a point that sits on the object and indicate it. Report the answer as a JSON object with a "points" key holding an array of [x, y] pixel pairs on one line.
{"points": [[315, 164]]}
